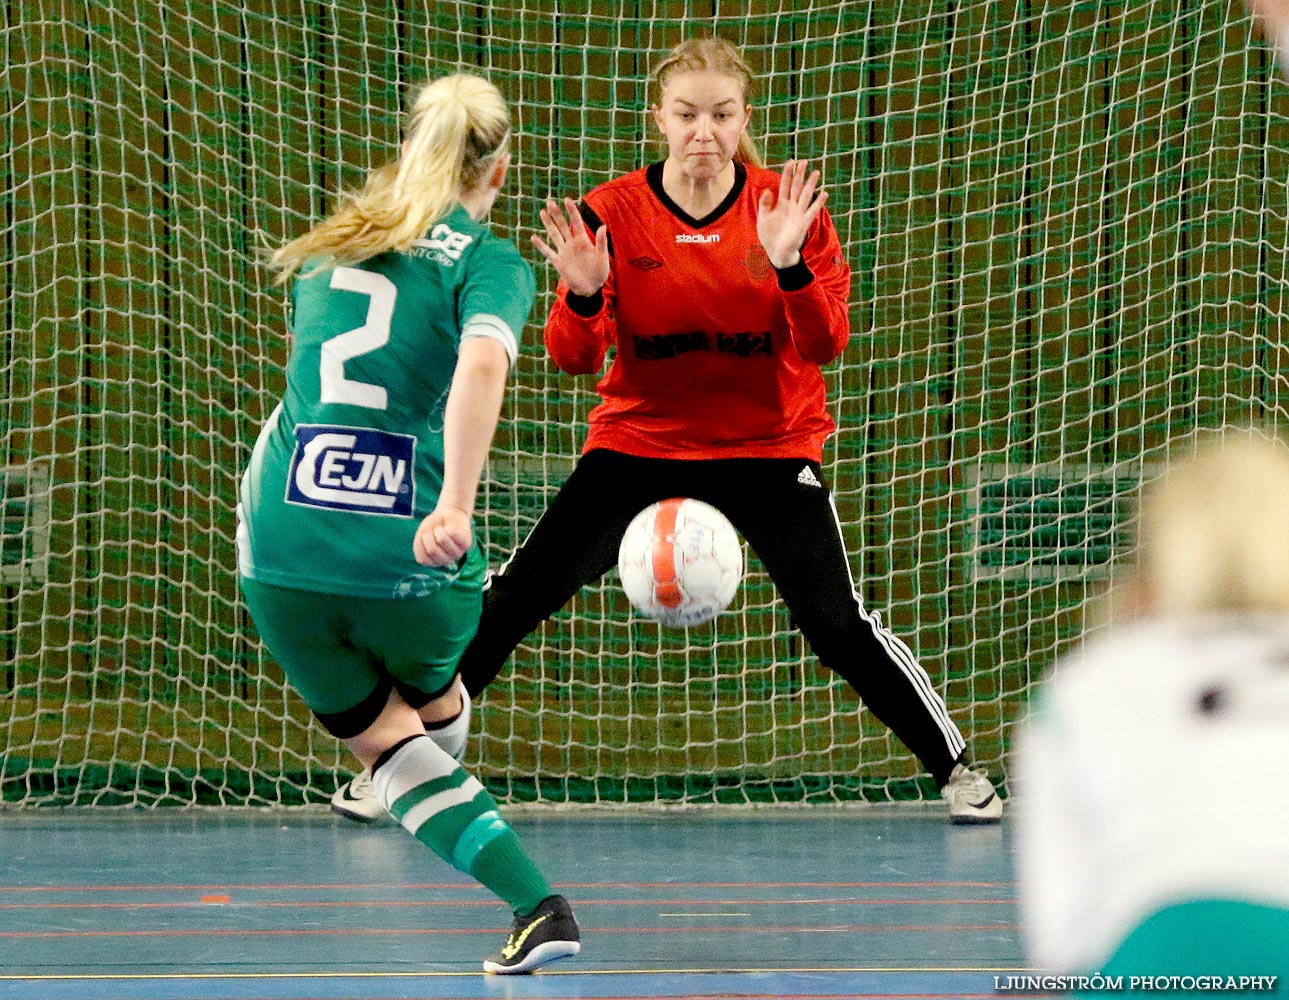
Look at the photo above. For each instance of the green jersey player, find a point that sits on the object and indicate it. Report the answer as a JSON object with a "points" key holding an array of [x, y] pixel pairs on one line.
{"points": [[354, 453], [355, 541]]}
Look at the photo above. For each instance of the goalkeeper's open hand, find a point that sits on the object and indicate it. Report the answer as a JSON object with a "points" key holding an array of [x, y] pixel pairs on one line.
{"points": [[782, 222], [580, 258]]}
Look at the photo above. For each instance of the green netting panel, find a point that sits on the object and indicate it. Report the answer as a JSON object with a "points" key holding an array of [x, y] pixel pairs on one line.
{"points": [[1067, 223]]}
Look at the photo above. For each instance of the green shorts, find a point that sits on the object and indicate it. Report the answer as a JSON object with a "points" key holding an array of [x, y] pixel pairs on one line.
{"points": [[344, 654]]}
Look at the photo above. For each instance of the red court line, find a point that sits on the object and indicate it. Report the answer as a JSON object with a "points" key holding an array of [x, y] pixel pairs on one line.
{"points": [[439, 886], [424, 931], [433, 903], [850, 995]]}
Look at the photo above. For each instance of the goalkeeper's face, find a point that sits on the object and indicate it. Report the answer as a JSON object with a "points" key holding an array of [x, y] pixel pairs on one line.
{"points": [[702, 115]]}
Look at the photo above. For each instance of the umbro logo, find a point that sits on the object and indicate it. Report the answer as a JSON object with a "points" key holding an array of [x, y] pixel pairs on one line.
{"points": [[807, 477], [645, 263]]}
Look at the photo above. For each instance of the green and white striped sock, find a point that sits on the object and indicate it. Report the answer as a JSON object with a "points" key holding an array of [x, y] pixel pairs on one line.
{"points": [[453, 815]]}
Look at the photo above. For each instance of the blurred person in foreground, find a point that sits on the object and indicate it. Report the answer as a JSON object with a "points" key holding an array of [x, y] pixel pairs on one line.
{"points": [[1273, 18], [1153, 806]]}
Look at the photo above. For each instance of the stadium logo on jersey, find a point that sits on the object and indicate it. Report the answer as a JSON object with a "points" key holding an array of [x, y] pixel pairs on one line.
{"points": [[698, 238], [352, 468], [443, 244]]}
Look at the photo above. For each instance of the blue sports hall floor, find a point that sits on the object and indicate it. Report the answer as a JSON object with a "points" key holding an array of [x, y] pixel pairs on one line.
{"points": [[302, 905]]}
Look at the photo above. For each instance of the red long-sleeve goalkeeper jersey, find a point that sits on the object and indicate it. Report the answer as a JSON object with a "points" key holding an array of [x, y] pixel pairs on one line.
{"points": [[716, 355]]}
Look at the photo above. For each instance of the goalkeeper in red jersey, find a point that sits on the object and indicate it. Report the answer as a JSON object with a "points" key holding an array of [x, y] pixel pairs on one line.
{"points": [[722, 289]]}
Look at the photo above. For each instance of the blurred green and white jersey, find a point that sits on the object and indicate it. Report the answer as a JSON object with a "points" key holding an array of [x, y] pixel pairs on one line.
{"points": [[351, 460], [1151, 774]]}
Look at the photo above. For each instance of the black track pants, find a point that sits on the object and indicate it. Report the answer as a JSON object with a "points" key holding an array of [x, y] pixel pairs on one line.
{"points": [[785, 512]]}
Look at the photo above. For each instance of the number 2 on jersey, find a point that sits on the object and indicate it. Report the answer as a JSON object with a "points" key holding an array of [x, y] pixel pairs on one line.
{"points": [[371, 336]]}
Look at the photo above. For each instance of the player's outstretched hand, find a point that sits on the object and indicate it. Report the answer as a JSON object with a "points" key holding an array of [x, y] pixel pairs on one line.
{"points": [[582, 261], [443, 537], [782, 222]]}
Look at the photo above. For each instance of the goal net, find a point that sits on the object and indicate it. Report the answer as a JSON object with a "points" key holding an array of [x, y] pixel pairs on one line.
{"points": [[1067, 225]]}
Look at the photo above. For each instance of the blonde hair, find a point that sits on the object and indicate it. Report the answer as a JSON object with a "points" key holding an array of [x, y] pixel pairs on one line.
{"points": [[712, 55], [1214, 531], [457, 127]]}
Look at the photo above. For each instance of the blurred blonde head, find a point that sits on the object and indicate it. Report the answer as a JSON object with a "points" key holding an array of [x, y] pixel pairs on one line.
{"points": [[1214, 531], [457, 129]]}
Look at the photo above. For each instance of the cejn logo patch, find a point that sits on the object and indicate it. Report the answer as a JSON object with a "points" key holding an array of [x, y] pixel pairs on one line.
{"points": [[352, 468]]}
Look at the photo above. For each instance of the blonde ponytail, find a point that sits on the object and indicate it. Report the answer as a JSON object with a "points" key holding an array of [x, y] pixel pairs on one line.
{"points": [[747, 151], [457, 128], [712, 55]]}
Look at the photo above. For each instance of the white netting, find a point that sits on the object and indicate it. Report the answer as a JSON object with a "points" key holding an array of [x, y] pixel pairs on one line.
{"points": [[1067, 223]]}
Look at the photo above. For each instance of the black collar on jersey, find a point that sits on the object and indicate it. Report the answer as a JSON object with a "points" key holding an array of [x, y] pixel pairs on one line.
{"points": [[653, 174]]}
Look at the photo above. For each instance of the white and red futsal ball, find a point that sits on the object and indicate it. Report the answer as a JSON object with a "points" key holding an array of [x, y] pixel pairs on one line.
{"points": [[680, 562]]}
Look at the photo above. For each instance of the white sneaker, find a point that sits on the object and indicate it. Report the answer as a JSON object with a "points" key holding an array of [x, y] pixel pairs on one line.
{"points": [[971, 797], [356, 800]]}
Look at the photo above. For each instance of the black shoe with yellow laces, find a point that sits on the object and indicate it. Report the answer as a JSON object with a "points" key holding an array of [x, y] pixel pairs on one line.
{"points": [[547, 934]]}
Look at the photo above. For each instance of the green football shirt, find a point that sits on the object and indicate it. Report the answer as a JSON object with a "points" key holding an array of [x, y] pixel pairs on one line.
{"points": [[351, 460]]}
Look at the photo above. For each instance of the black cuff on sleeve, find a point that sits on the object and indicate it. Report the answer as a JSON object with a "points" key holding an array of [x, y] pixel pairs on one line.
{"points": [[586, 306], [796, 277]]}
